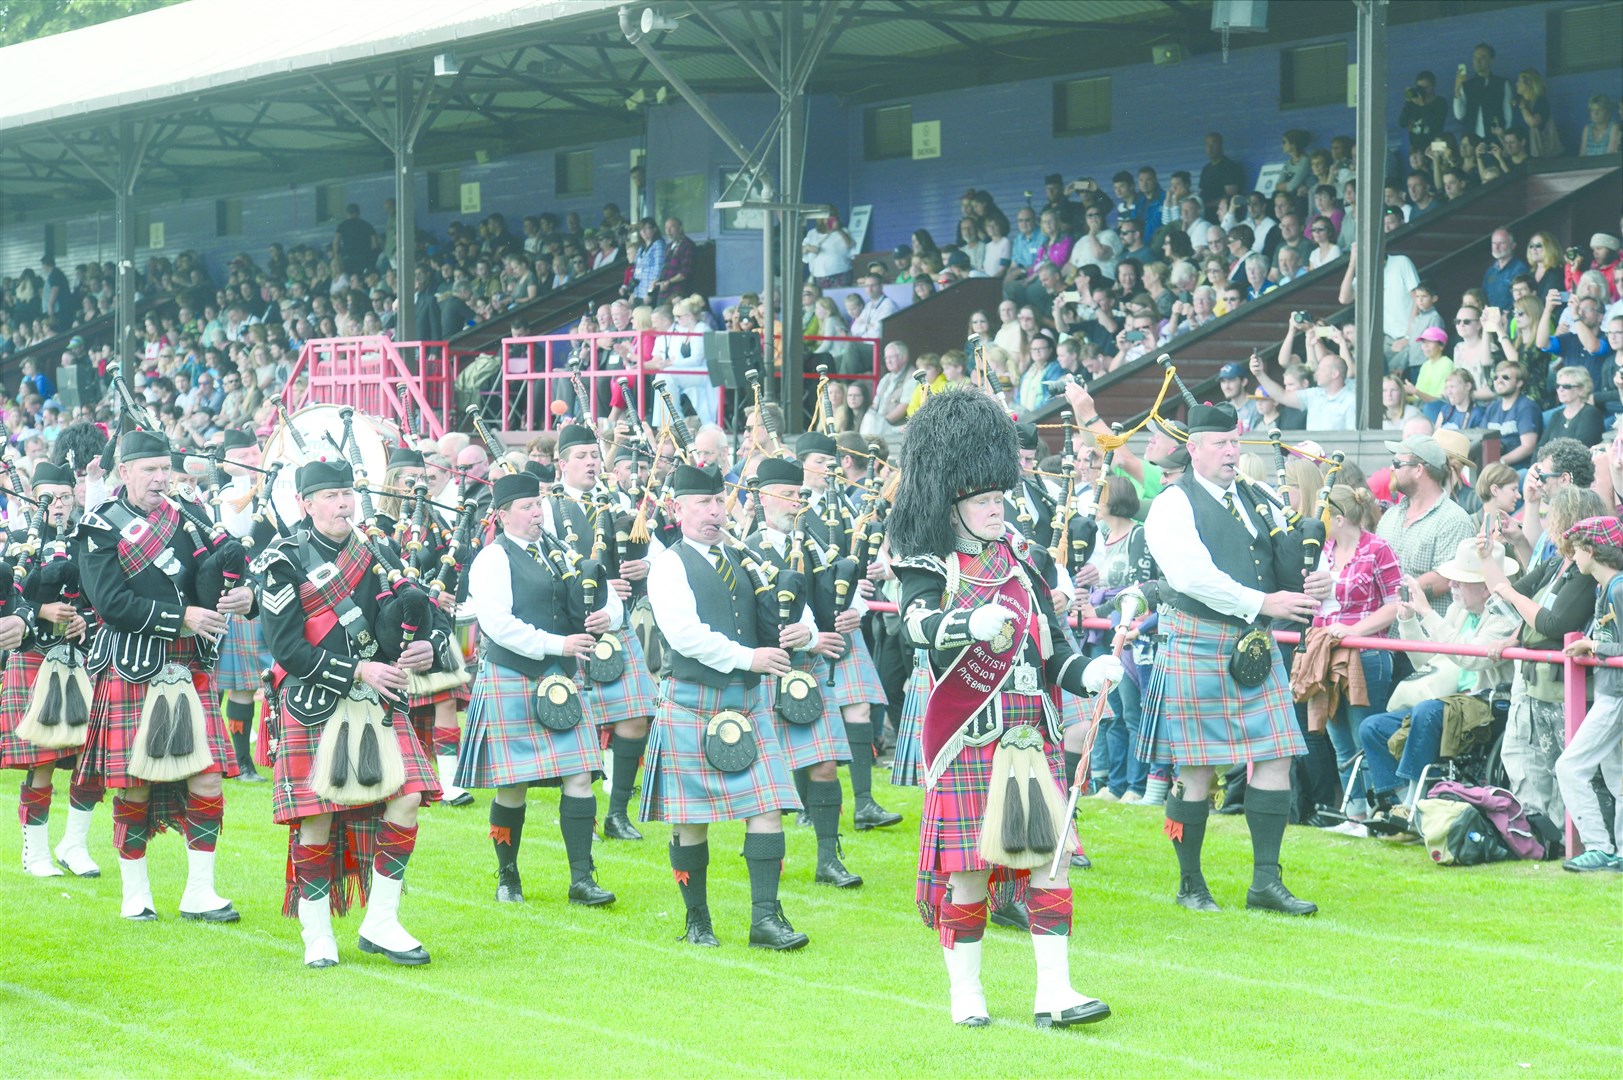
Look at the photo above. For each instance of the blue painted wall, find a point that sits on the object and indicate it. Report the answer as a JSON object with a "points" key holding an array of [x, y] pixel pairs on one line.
{"points": [[998, 137]]}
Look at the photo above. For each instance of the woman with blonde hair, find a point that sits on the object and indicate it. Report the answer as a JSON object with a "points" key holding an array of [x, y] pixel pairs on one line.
{"points": [[1532, 102], [1544, 262], [1600, 136]]}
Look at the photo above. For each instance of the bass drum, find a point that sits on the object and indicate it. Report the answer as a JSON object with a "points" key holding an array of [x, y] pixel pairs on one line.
{"points": [[316, 433]]}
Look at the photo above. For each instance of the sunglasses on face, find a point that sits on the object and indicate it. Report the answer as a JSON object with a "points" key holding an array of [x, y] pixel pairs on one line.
{"points": [[1464, 322], [1566, 386], [1404, 463]]}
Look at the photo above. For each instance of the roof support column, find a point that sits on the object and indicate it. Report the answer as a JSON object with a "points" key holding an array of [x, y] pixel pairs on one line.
{"points": [[405, 207], [791, 144], [124, 244], [1371, 166]]}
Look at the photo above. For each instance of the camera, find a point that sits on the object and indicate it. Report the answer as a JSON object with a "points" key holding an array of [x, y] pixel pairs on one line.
{"points": [[1299, 318], [1070, 296], [1574, 254]]}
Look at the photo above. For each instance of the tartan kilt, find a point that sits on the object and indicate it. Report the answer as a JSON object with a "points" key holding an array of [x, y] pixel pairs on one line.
{"points": [[808, 744], [115, 713], [632, 694], [856, 679], [243, 655], [16, 692], [680, 786], [950, 827], [503, 745], [291, 797], [907, 762], [1196, 714]]}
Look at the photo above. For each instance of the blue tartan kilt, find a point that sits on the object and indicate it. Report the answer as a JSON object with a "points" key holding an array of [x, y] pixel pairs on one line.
{"points": [[907, 763], [503, 745], [1196, 714], [809, 744], [856, 679], [680, 786], [632, 694], [243, 655]]}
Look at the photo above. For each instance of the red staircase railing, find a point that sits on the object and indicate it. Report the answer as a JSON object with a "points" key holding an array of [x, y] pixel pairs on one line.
{"points": [[366, 372]]}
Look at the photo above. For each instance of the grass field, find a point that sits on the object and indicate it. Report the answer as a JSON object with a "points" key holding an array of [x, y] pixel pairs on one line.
{"points": [[1412, 970]]}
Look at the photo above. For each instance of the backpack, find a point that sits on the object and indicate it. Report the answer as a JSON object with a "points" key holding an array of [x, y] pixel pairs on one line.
{"points": [[1503, 814], [1456, 833]]}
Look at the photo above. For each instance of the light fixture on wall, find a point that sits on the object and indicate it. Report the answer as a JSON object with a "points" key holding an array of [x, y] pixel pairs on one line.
{"points": [[655, 21], [446, 65], [642, 97]]}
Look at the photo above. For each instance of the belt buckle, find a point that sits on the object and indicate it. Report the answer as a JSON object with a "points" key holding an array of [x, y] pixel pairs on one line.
{"points": [[1025, 680]]}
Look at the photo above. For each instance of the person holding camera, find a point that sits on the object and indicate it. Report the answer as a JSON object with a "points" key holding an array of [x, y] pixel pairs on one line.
{"points": [[1482, 100], [1332, 403], [1423, 113]]}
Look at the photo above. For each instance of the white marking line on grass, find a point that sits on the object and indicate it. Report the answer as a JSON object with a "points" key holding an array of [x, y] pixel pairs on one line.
{"points": [[781, 974], [495, 1006], [140, 1031]]}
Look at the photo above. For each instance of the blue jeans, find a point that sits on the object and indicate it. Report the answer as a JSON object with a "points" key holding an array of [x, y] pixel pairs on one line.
{"points": [[1126, 771], [1344, 725], [1424, 745]]}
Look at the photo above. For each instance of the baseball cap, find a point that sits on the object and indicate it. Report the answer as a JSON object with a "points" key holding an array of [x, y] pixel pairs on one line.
{"points": [[1231, 371], [1424, 447], [1434, 333]]}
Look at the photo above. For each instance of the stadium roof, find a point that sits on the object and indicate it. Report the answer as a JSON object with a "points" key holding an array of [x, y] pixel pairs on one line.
{"points": [[221, 95]]}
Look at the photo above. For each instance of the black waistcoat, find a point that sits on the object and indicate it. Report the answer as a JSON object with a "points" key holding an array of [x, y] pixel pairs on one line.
{"points": [[1245, 558], [540, 600], [727, 611]]}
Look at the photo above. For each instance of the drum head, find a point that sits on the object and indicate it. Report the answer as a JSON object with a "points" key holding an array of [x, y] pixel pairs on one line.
{"points": [[321, 429]]}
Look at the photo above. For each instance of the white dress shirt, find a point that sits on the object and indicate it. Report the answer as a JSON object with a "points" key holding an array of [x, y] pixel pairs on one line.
{"points": [[1169, 528], [677, 614], [490, 594], [873, 312]]}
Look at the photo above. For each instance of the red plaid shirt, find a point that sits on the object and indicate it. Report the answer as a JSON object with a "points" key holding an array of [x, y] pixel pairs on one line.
{"points": [[1364, 583]]}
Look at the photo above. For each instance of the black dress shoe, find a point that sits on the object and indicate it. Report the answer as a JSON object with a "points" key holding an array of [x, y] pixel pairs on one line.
{"points": [[617, 826], [226, 914], [976, 1021], [1081, 861], [147, 915], [870, 815], [250, 776], [1195, 897], [509, 889], [698, 931], [833, 872], [775, 933], [1273, 896], [1089, 1013], [1013, 915], [407, 958], [464, 799], [324, 962], [802, 819], [588, 893]]}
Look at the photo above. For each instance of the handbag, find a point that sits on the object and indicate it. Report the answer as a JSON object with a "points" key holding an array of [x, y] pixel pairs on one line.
{"points": [[1544, 141], [800, 701], [557, 703], [729, 742]]}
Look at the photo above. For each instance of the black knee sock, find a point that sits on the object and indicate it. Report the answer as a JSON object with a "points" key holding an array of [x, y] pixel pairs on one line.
{"points": [[690, 865], [1265, 815], [1072, 760], [506, 830], [764, 854], [627, 755], [824, 808], [576, 815], [240, 714], [803, 783], [860, 736], [1186, 825]]}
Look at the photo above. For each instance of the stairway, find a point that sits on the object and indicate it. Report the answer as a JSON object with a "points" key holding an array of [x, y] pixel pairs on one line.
{"points": [[1570, 197]]}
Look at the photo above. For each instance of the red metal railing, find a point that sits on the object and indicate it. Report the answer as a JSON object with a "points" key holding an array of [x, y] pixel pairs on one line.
{"points": [[533, 368], [365, 372], [1574, 676]]}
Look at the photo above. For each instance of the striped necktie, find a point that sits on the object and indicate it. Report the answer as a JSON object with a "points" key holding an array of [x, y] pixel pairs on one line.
{"points": [[723, 566], [1234, 508]]}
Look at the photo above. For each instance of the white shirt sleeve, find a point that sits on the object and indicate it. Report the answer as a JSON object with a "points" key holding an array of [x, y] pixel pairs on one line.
{"points": [[490, 593], [677, 615], [1169, 528]]}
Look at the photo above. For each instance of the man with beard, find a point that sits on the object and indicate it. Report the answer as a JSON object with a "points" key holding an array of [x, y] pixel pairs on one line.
{"points": [[1426, 526]]}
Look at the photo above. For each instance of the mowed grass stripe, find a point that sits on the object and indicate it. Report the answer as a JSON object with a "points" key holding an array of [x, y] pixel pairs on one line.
{"points": [[1519, 971]]}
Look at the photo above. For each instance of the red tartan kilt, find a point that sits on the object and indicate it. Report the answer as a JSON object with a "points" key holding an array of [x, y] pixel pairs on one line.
{"points": [[950, 832], [292, 800], [115, 714], [15, 695]]}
